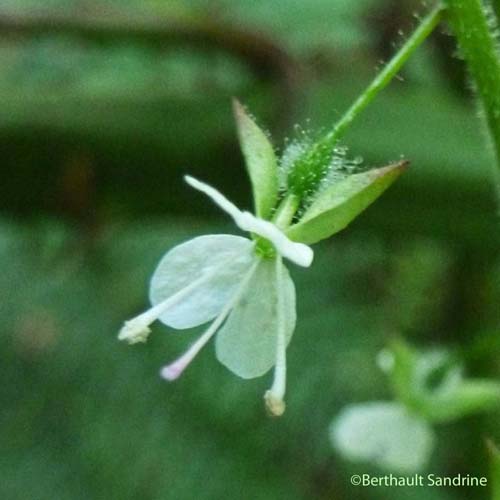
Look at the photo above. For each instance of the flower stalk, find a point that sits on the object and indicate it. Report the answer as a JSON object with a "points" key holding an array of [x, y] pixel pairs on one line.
{"points": [[385, 76], [309, 170]]}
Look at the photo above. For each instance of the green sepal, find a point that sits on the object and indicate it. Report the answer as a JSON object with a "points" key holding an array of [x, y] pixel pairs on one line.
{"points": [[337, 205], [260, 160]]}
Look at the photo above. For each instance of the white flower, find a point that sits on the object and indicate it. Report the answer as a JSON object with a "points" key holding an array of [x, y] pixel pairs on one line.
{"points": [[250, 299]]}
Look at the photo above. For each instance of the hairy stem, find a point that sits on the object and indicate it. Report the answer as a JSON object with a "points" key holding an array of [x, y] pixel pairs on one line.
{"points": [[471, 25], [386, 75], [309, 170]]}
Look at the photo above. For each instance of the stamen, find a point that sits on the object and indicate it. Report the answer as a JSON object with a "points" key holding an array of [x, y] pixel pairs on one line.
{"points": [[298, 253], [134, 332], [274, 397], [174, 370], [137, 329]]}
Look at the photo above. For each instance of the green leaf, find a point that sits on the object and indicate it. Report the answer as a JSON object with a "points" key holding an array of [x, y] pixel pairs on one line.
{"points": [[401, 370], [246, 344], [385, 434], [260, 160], [339, 204], [494, 471], [432, 385], [468, 397]]}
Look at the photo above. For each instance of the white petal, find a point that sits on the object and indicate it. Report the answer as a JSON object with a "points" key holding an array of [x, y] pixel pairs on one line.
{"points": [[384, 434], [217, 197], [223, 259], [246, 344], [174, 370], [298, 253]]}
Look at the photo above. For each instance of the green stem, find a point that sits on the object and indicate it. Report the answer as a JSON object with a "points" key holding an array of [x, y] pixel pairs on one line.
{"points": [[386, 75], [470, 23], [309, 170]]}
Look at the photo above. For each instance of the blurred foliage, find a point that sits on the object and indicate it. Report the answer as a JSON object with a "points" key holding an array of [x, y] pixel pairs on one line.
{"points": [[495, 471], [95, 135], [432, 384]]}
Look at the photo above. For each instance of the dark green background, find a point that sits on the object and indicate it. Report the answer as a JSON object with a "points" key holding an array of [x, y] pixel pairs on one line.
{"points": [[97, 127]]}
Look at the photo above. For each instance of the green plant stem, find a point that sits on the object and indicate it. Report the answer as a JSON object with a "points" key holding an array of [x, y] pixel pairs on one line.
{"points": [[310, 169], [385, 76], [470, 24]]}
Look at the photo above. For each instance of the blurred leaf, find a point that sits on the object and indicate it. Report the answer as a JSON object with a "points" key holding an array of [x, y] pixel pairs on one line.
{"points": [[336, 206], [384, 434], [399, 363], [260, 161], [494, 471], [432, 384], [314, 18], [468, 397]]}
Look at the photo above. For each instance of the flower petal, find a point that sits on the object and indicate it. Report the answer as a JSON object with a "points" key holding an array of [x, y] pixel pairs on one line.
{"points": [[173, 370], [384, 434], [223, 259], [298, 253], [246, 344]]}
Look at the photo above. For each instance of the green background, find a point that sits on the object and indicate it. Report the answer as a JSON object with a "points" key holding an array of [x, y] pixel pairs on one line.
{"points": [[104, 106]]}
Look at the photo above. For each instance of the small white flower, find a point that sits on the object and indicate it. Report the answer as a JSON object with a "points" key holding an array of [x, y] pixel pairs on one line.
{"points": [[250, 299]]}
